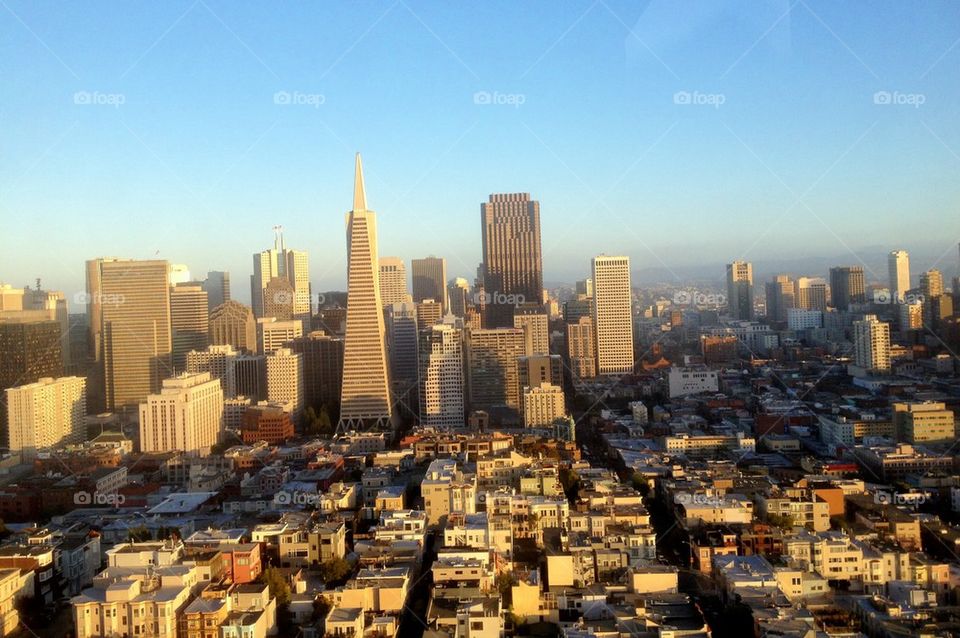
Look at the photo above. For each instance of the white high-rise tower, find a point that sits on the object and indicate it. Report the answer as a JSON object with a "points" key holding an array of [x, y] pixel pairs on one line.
{"points": [[898, 264], [365, 394]]}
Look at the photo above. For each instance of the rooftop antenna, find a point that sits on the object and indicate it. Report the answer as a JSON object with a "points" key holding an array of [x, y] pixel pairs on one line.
{"points": [[278, 237], [38, 283]]}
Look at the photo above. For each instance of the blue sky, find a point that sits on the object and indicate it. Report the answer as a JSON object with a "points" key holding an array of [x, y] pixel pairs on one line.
{"points": [[679, 134]]}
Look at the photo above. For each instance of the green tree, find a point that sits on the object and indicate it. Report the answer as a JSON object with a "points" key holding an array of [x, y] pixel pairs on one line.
{"points": [[335, 571], [279, 587], [139, 534]]}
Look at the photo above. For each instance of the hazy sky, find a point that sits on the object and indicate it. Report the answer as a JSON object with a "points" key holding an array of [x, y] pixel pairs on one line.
{"points": [[676, 133]]}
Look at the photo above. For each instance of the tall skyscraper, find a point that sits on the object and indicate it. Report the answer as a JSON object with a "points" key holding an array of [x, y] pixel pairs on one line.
{"points": [[186, 416], [780, 295], [512, 262], [847, 286], [458, 296], [365, 395], [285, 380], [189, 321], [811, 293], [430, 280], [581, 348], [217, 287], [322, 367], [402, 331], [613, 314], [492, 376], [871, 343], [543, 405], [441, 377], [429, 313], [46, 414], [931, 284], [273, 334], [393, 281], [740, 290], [898, 265], [233, 323], [533, 320], [29, 351], [284, 263], [129, 317]]}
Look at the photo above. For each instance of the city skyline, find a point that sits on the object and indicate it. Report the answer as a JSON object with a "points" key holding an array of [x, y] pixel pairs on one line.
{"points": [[687, 181]]}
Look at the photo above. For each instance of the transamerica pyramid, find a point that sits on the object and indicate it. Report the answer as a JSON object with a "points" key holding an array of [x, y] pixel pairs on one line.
{"points": [[365, 394]]}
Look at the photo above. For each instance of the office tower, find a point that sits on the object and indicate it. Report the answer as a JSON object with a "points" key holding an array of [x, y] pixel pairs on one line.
{"points": [[584, 287], [780, 298], [581, 348], [189, 321], [898, 265], [458, 296], [532, 319], [322, 367], [393, 281], [740, 290], [937, 310], [185, 416], [278, 300], [29, 351], [512, 262], [285, 380], [543, 405], [281, 262], [46, 414], [129, 316], [492, 355], [911, 315], [233, 323], [430, 279], [298, 274], [613, 314], [402, 339], [441, 377], [331, 320], [217, 287], [574, 309], [34, 304], [273, 334], [218, 362], [811, 293], [847, 286], [871, 342], [248, 376], [931, 284], [535, 370], [269, 423], [429, 313], [365, 394], [926, 422]]}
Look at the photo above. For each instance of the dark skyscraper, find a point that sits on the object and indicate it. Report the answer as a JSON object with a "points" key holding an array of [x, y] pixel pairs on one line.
{"points": [[29, 350], [512, 260], [847, 286], [430, 280]]}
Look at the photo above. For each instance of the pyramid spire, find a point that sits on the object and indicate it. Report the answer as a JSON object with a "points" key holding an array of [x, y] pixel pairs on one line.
{"points": [[359, 193]]}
